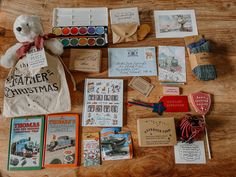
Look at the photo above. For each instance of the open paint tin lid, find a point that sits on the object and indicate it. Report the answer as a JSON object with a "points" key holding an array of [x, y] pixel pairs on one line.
{"points": [[80, 17]]}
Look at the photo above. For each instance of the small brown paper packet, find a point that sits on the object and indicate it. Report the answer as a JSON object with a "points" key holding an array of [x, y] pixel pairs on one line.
{"points": [[124, 32], [197, 59]]}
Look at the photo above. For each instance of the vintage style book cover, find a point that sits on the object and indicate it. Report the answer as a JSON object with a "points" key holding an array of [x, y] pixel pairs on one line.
{"points": [[103, 103], [91, 144], [61, 140], [26, 143], [156, 132]]}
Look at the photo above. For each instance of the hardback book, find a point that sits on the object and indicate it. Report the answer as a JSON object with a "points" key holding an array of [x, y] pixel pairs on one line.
{"points": [[26, 143], [61, 140], [171, 64], [103, 103], [116, 145], [91, 144], [156, 132]]}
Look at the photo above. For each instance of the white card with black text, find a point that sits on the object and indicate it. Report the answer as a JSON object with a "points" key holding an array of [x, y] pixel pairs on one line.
{"points": [[124, 15], [190, 153], [36, 58]]}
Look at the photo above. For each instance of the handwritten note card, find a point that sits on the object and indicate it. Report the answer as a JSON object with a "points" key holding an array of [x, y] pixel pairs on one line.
{"points": [[190, 153], [140, 61], [124, 15]]}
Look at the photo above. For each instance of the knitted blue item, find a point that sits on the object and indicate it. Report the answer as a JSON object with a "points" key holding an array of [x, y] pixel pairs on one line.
{"points": [[202, 72], [197, 44]]}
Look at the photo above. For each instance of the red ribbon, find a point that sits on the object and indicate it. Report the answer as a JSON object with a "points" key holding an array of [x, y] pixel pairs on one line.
{"points": [[38, 43]]}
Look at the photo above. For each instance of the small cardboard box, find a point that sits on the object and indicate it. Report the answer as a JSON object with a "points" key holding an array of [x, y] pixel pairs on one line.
{"points": [[85, 60], [154, 132]]}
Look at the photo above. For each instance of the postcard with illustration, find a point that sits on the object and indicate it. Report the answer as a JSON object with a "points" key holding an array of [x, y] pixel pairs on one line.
{"points": [[140, 61], [175, 23], [171, 64]]}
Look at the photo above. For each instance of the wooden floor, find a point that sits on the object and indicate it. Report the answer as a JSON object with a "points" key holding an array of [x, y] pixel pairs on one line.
{"points": [[216, 19]]}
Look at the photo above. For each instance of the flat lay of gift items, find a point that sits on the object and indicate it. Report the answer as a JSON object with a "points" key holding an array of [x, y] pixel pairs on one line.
{"points": [[43, 134]]}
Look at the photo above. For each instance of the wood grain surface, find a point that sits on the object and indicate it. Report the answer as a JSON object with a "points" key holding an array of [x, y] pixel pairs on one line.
{"points": [[216, 19]]}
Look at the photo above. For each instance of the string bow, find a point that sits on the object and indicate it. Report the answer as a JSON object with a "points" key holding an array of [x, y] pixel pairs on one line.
{"points": [[38, 43]]}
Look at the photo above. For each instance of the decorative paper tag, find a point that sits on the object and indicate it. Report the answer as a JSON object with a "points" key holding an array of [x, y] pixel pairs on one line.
{"points": [[201, 102], [156, 132], [141, 85], [175, 103], [190, 153], [171, 90], [36, 58]]}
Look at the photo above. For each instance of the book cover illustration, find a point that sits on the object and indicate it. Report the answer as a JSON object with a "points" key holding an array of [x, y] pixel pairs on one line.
{"points": [[116, 145], [91, 144], [61, 140], [103, 103], [26, 143], [171, 64], [140, 61]]}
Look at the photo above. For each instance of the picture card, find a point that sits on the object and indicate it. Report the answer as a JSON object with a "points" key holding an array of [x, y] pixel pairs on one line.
{"points": [[124, 15], [85, 60], [175, 23], [80, 17], [156, 132], [171, 64], [140, 61], [91, 144], [190, 153], [103, 103], [141, 85]]}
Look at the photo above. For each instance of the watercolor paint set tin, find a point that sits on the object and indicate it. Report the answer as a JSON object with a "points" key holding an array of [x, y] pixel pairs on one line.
{"points": [[80, 31], [84, 41], [81, 27]]}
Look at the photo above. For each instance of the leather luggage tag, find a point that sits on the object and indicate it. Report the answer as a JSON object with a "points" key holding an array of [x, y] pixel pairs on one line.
{"points": [[175, 103], [124, 32]]}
